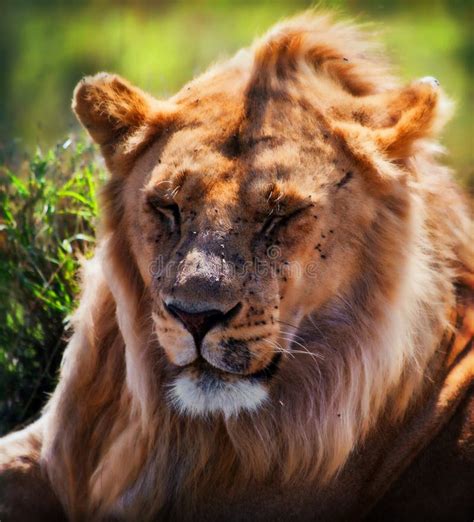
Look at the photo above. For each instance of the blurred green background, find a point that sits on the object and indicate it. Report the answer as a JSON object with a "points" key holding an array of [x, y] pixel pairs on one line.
{"points": [[49, 176]]}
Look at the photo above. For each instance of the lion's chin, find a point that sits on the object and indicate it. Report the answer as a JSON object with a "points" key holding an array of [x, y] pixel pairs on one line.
{"points": [[200, 394]]}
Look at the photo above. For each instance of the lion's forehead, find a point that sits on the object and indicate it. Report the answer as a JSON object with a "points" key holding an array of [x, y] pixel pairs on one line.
{"points": [[225, 152], [197, 159]]}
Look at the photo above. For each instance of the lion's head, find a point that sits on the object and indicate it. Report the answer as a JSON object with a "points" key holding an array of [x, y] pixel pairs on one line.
{"points": [[266, 249], [250, 200]]}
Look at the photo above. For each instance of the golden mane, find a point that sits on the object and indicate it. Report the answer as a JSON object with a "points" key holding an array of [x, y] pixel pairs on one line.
{"points": [[111, 443]]}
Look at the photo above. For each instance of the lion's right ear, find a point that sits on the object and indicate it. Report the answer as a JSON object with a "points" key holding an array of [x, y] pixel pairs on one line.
{"points": [[118, 116]]}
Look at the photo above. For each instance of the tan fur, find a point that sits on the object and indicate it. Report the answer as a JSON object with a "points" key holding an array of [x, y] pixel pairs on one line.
{"points": [[359, 303]]}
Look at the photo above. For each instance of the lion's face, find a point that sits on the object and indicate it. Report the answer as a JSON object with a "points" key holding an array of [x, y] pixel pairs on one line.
{"points": [[247, 202], [239, 234]]}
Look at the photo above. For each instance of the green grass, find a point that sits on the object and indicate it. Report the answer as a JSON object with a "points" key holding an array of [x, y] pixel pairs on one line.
{"points": [[47, 223]]}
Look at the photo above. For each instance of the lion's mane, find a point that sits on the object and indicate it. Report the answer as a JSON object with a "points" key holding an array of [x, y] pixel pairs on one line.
{"points": [[111, 443]]}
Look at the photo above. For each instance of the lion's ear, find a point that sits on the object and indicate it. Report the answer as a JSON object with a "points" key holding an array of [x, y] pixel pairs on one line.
{"points": [[389, 126], [118, 116], [405, 116], [109, 107]]}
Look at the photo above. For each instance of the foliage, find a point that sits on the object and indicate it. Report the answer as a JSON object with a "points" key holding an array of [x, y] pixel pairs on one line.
{"points": [[47, 219]]}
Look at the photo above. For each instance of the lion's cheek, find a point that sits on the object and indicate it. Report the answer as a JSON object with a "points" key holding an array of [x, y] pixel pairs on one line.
{"points": [[178, 345], [319, 279], [180, 354]]}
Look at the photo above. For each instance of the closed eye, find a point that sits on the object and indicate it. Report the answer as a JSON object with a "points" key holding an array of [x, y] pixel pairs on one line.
{"points": [[276, 221], [344, 180], [166, 210]]}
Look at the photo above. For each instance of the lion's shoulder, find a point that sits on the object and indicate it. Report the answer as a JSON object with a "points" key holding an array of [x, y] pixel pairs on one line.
{"points": [[25, 493], [438, 483]]}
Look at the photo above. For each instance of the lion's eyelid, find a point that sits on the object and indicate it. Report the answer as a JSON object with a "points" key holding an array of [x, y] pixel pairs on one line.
{"points": [[275, 220], [169, 210], [345, 179]]}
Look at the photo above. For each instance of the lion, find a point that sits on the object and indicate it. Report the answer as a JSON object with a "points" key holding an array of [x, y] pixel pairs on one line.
{"points": [[277, 322]]}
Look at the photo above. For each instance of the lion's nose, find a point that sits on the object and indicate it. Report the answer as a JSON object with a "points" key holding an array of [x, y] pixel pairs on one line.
{"points": [[199, 323]]}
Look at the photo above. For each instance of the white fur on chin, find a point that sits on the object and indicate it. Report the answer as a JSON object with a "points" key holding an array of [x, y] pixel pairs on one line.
{"points": [[197, 397]]}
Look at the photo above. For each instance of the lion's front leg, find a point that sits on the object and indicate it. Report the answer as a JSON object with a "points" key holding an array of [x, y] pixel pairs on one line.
{"points": [[25, 493]]}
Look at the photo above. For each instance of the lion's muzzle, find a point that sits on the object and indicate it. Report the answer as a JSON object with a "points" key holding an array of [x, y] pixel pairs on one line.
{"points": [[199, 323]]}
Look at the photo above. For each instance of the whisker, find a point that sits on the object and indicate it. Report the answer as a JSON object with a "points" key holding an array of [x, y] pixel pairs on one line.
{"points": [[286, 324], [305, 350], [311, 320], [278, 348], [293, 334]]}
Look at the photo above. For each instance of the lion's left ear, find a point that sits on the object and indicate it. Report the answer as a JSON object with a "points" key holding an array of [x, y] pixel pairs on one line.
{"points": [[388, 127], [119, 117], [405, 116]]}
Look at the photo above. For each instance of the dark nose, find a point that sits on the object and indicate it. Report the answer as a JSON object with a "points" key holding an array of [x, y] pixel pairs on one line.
{"points": [[199, 323]]}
